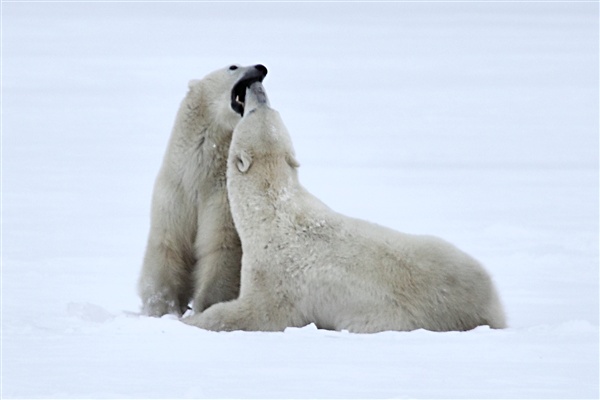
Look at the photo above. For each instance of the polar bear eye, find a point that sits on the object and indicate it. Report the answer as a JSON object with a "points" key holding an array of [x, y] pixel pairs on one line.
{"points": [[233, 68]]}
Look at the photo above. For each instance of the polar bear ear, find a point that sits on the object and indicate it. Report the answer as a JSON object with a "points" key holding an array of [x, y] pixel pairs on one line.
{"points": [[291, 160], [243, 161]]}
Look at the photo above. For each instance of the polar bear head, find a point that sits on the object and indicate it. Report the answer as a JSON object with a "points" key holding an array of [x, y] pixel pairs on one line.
{"points": [[262, 171], [261, 136], [219, 96]]}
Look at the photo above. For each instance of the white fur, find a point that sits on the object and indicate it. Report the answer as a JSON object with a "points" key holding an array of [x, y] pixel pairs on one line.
{"points": [[193, 249], [304, 263]]}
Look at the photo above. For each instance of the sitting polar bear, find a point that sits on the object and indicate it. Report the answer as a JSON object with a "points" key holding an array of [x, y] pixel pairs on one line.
{"points": [[304, 263], [193, 249]]}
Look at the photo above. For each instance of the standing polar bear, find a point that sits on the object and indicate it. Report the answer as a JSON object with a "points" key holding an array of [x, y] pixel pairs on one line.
{"points": [[304, 263], [193, 249]]}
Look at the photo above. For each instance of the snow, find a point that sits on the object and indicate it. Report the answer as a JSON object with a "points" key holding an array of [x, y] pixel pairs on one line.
{"points": [[473, 121]]}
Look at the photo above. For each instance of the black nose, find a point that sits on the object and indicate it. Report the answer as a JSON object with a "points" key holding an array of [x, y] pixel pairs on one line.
{"points": [[263, 70]]}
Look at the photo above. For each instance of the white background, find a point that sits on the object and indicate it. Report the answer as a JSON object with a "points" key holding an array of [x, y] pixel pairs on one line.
{"points": [[476, 122]]}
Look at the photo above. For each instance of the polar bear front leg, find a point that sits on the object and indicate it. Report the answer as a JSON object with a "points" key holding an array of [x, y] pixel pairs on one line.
{"points": [[247, 314], [165, 286], [235, 315], [217, 276], [219, 253]]}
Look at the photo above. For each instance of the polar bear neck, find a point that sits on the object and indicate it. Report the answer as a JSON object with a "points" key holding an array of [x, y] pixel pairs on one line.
{"points": [[261, 195]]}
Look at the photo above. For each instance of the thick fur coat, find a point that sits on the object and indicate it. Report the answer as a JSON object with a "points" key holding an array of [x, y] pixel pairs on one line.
{"points": [[304, 263], [193, 251]]}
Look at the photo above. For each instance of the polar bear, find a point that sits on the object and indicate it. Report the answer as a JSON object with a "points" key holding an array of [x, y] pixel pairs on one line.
{"points": [[304, 263], [193, 249]]}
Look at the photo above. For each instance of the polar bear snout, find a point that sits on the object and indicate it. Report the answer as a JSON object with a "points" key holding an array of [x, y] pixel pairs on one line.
{"points": [[255, 73], [255, 97]]}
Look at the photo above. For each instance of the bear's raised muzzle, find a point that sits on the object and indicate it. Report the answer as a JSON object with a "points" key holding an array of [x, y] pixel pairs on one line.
{"points": [[251, 75], [255, 97]]}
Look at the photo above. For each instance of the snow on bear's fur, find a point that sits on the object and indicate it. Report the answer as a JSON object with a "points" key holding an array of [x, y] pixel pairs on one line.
{"points": [[304, 263], [193, 249]]}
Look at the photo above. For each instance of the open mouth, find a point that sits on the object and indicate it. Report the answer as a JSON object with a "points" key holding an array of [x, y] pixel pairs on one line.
{"points": [[238, 93]]}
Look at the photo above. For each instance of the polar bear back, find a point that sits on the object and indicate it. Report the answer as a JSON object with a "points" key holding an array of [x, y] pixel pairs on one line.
{"points": [[352, 274]]}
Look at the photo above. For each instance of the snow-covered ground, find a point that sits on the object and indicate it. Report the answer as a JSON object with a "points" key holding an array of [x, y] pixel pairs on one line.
{"points": [[476, 122]]}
